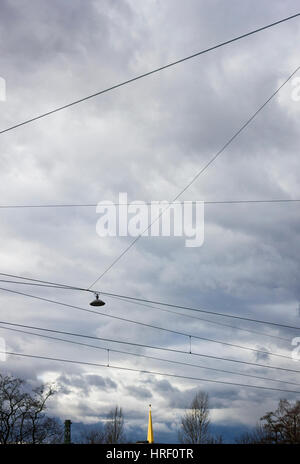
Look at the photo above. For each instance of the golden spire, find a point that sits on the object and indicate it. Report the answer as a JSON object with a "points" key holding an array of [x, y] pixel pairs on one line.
{"points": [[150, 437]]}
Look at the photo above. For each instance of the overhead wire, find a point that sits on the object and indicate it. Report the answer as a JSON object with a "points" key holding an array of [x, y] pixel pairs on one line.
{"points": [[181, 363], [160, 303], [147, 203], [158, 348], [221, 324], [60, 286], [128, 81], [143, 324], [157, 308], [145, 371], [196, 176]]}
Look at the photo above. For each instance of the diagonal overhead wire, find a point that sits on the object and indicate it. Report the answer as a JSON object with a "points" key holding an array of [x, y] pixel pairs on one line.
{"points": [[198, 174], [149, 73]]}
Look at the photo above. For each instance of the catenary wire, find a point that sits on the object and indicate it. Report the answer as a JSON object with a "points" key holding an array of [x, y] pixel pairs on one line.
{"points": [[144, 371], [152, 347], [143, 324], [148, 357], [260, 321], [143, 300], [159, 309], [264, 334]]}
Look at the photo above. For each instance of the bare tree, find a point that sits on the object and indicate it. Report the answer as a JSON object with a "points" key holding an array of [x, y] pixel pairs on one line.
{"points": [[22, 416], [280, 426], [12, 405], [257, 435], [195, 422], [283, 425], [114, 427], [93, 436], [112, 432]]}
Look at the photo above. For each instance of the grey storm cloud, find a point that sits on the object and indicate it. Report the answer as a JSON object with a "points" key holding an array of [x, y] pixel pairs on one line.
{"points": [[98, 381], [85, 383], [149, 139], [139, 392]]}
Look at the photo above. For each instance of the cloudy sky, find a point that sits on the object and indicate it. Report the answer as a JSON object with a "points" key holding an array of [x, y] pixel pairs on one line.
{"points": [[149, 139]]}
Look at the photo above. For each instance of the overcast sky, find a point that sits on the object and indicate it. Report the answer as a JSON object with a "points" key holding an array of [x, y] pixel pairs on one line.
{"points": [[149, 139]]}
